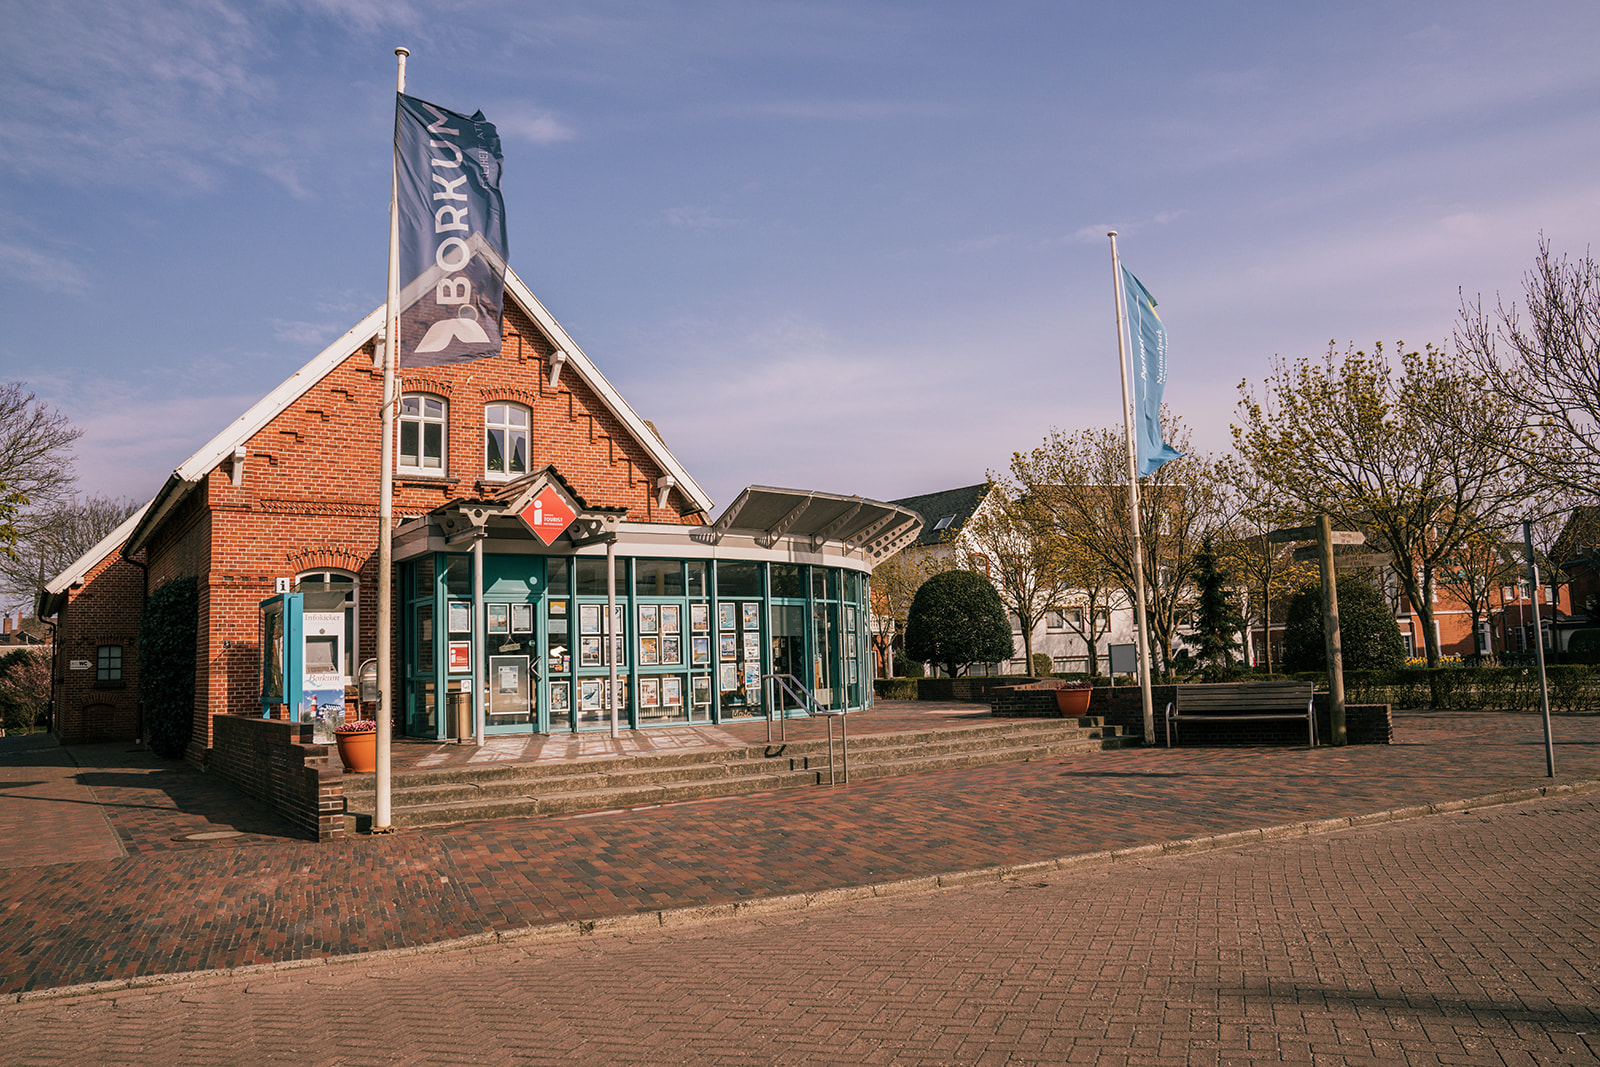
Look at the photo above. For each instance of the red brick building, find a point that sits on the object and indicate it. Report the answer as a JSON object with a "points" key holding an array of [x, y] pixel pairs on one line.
{"points": [[287, 495]]}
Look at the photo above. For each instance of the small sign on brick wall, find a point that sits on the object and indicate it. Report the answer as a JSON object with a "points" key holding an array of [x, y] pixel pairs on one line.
{"points": [[80, 664]]}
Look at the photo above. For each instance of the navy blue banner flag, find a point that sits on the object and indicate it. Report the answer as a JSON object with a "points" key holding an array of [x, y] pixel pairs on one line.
{"points": [[452, 234], [1149, 338]]}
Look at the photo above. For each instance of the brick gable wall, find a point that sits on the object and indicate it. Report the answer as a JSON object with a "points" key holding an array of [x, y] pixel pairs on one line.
{"points": [[308, 497], [104, 610]]}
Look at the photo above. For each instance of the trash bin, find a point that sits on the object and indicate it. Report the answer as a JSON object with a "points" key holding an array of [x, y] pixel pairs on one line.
{"points": [[460, 711]]}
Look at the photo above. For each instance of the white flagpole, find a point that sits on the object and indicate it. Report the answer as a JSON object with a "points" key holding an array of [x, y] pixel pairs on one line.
{"points": [[391, 345], [1133, 502]]}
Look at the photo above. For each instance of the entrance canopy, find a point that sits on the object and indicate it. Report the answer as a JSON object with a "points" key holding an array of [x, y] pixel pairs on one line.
{"points": [[873, 527]]}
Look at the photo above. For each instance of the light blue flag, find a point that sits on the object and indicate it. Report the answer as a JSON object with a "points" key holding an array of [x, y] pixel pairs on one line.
{"points": [[1149, 340]]}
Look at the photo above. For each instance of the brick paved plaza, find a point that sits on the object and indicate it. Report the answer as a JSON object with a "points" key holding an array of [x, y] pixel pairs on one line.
{"points": [[1463, 937]]}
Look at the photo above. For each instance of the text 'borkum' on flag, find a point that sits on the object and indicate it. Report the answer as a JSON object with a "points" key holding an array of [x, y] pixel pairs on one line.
{"points": [[452, 227], [1149, 340]]}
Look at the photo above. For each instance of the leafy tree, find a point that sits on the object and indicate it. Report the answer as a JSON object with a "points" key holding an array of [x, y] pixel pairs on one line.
{"points": [[1082, 478], [1369, 638], [1217, 621], [167, 644], [1266, 569], [956, 620], [1482, 565], [894, 584], [1021, 555], [1397, 455], [35, 474], [1086, 607], [1546, 363]]}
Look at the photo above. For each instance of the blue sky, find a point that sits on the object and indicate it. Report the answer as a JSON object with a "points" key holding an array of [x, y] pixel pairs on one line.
{"points": [[857, 247]]}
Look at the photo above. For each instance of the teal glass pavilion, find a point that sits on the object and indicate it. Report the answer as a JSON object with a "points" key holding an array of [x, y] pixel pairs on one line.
{"points": [[547, 620]]}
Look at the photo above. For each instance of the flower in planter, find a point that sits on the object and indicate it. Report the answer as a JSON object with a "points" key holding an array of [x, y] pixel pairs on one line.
{"points": [[1081, 683], [358, 726]]}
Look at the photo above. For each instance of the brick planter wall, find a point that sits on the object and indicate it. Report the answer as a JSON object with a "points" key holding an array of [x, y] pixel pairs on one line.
{"points": [[276, 763], [977, 690]]}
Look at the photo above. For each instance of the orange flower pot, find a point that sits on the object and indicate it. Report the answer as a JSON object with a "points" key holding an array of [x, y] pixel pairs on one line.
{"points": [[1073, 702], [359, 751]]}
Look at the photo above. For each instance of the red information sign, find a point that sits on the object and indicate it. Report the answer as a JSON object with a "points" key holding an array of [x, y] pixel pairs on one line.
{"points": [[547, 515], [460, 656]]}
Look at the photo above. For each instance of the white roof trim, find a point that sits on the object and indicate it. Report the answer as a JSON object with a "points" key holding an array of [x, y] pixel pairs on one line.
{"points": [[91, 559], [269, 407], [608, 393]]}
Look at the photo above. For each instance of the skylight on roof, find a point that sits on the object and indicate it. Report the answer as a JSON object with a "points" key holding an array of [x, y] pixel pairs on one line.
{"points": [[944, 521]]}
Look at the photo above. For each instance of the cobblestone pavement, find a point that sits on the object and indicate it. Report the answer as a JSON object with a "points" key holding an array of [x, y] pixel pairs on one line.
{"points": [[182, 898], [1463, 938]]}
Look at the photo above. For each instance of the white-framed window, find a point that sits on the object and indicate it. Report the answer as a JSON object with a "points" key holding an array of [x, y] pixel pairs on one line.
{"points": [[331, 590], [1054, 621], [423, 428], [505, 440]]}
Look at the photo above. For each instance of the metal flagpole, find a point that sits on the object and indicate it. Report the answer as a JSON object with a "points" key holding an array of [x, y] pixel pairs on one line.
{"points": [[391, 345], [1133, 502]]}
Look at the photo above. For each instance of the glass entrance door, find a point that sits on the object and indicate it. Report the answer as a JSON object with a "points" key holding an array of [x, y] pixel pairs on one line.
{"points": [[788, 650]]}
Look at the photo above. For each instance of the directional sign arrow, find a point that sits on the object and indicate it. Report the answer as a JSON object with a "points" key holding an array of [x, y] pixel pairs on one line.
{"points": [[1309, 553], [1309, 533]]}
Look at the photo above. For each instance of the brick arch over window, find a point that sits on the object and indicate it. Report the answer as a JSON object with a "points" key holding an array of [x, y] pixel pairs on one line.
{"points": [[414, 383], [505, 394], [328, 557]]}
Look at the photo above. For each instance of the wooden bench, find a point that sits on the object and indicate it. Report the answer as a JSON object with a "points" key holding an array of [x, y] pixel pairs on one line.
{"points": [[1242, 702]]}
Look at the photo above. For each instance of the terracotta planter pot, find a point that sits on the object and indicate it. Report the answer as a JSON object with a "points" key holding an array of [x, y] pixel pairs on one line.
{"points": [[358, 751], [1073, 702]]}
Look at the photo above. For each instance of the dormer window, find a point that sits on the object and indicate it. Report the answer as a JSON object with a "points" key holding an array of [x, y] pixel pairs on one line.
{"points": [[944, 522], [505, 432]]}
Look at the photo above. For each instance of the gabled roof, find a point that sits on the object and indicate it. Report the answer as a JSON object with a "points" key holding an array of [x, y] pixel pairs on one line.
{"points": [[193, 470], [1579, 540], [54, 594], [955, 504]]}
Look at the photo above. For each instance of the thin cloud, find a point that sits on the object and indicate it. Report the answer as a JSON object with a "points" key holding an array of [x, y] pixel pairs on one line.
{"points": [[697, 218], [535, 125], [31, 266]]}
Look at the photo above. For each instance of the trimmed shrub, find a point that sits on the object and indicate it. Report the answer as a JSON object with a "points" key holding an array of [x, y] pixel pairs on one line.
{"points": [[956, 620], [166, 666], [1042, 664], [1369, 638]]}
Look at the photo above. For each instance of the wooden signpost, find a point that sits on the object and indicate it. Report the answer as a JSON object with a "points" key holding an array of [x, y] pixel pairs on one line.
{"points": [[1326, 537]]}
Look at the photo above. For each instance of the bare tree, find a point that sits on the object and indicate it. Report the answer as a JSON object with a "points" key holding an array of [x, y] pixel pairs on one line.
{"points": [[35, 475], [1548, 362]]}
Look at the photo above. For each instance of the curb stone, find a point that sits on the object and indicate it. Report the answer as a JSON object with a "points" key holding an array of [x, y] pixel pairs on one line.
{"points": [[703, 914]]}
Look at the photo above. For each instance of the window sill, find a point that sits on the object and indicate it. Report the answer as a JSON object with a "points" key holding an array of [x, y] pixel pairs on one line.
{"points": [[408, 478]]}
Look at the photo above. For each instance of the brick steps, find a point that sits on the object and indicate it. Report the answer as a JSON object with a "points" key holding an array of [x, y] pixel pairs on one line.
{"points": [[433, 797]]}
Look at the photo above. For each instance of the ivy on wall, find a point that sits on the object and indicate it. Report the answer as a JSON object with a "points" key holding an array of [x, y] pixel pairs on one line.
{"points": [[166, 667]]}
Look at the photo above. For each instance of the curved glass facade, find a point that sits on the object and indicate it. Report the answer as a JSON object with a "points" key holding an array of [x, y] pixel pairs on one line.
{"points": [[696, 641]]}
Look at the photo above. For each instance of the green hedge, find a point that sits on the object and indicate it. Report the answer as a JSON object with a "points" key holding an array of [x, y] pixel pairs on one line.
{"points": [[166, 666], [894, 688], [1574, 688]]}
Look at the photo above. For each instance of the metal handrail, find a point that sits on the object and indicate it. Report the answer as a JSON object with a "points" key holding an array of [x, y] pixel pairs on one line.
{"points": [[797, 691]]}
